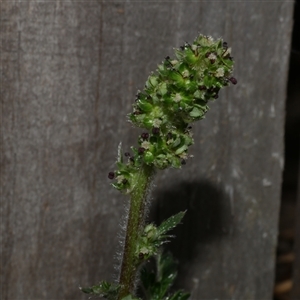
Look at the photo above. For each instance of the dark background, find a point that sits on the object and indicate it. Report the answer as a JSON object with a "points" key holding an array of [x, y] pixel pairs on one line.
{"points": [[289, 215]]}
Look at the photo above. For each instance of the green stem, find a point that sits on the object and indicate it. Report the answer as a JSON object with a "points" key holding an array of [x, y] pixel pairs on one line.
{"points": [[135, 225]]}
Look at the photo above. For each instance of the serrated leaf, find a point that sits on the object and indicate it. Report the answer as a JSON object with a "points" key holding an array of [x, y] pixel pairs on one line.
{"points": [[170, 223]]}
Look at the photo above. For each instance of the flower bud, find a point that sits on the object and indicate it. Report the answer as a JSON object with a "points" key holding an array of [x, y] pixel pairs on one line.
{"points": [[233, 80], [111, 175], [141, 150]]}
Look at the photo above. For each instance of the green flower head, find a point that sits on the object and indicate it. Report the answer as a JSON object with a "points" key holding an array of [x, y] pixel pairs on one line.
{"points": [[175, 96]]}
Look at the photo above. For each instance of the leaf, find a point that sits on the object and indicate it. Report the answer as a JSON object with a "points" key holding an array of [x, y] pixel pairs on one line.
{"points": [[153, 237], [179, 295], [145, 106], [170, 223], [181, 149], [162, 89], [157, 285], [196, 113], [104, 289], [166, 271], [176, 142]]}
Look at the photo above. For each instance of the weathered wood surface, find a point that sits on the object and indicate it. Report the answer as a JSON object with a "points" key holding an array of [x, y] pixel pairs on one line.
{"points": [[70, 73], [295, 294]]}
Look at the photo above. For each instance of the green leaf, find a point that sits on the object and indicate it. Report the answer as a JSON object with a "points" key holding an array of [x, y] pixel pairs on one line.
{"points": [[181, 149], [145, 106], [162, 89], [154, 237], [156, 285], [196, 112], [176, 142], [170, 223], [179, 295], [104, 289], [152, 81]]}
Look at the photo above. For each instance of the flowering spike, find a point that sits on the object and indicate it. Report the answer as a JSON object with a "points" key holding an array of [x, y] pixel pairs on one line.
{"points": [[174, 96]]}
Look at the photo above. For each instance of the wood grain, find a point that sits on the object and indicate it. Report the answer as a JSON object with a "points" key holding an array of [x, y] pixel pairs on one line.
{"points": [[70, 72]]}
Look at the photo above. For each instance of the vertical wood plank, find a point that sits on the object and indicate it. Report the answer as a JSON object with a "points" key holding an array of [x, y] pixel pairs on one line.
{"points": [[232, 188], [60, 216], [71, 70]]}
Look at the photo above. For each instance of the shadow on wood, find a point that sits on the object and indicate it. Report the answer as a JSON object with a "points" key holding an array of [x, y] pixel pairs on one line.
{"points": [[208, 218]]}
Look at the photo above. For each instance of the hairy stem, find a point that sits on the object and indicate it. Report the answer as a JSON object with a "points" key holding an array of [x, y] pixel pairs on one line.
{"points": [[135, 224]]}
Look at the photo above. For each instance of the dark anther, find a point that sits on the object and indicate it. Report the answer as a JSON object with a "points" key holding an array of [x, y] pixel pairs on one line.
{"points": [[189, 127], [155, 130], [207, 54], [202, 88], [141, 256], [212, 61], [167, 57], [169, 135], [131, 158], [192, 76], [111, 175], [145, 135], [225, 45], [136, 112], [127, 154], [233, 80], [124, 181], [181, 47], [141, 150], [183, 162], [216, 96]]}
